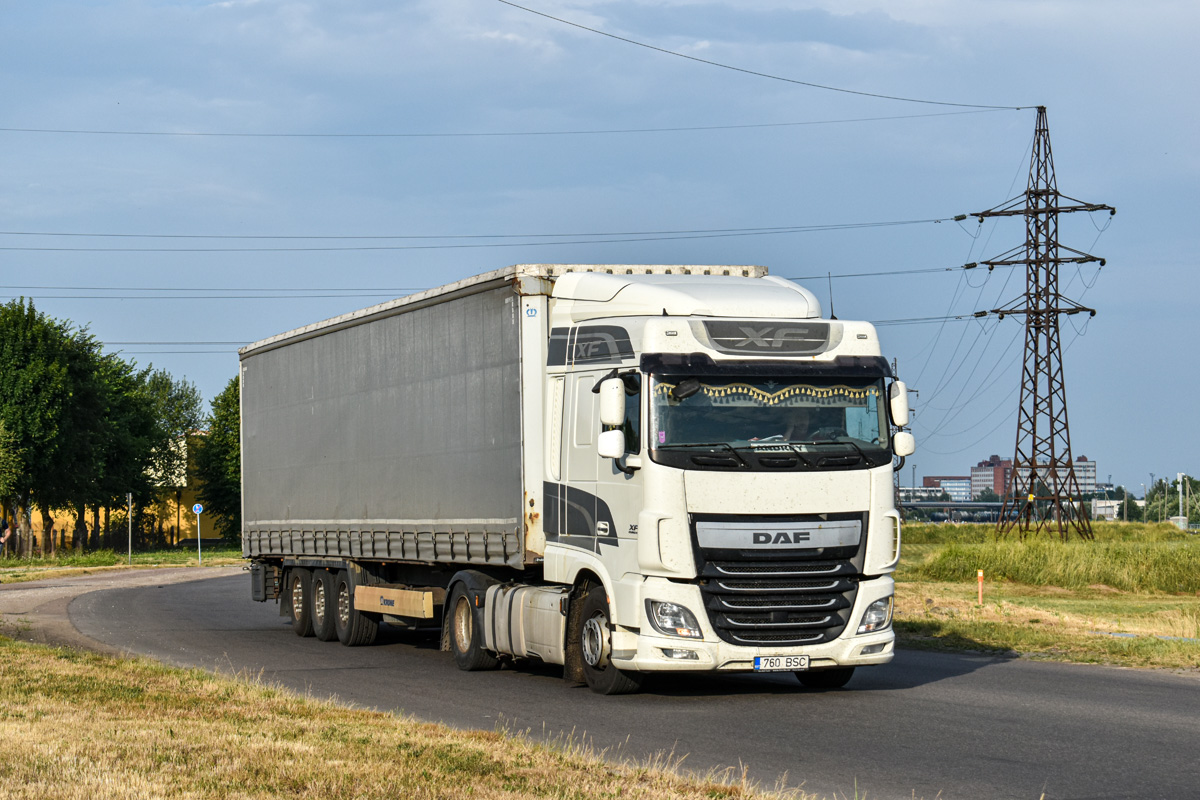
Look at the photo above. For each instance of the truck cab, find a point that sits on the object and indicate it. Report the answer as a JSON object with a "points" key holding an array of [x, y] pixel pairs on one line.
{"points": [[719, 457]]}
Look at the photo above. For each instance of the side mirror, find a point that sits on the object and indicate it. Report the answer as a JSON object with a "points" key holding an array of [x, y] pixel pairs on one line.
{"points": [[899, 402], [903, 443], [611, 444], [612, 402]]}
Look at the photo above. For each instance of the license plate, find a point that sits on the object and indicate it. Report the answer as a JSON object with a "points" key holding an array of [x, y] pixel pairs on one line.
{"points": [[780, 663]]}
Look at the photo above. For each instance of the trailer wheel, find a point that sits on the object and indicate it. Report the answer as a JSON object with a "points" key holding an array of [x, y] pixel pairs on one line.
{"points": [[299, 592], [466, 635], [324, 605], [354, 627], [596, 644], [825, 678]]}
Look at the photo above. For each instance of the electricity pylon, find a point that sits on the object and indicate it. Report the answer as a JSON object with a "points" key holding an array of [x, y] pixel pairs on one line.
{"points": [[1043, 491]]}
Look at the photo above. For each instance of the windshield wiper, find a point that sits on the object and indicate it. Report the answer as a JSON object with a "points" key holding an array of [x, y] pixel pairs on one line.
{"points": [[689, 445], [862, 454]]}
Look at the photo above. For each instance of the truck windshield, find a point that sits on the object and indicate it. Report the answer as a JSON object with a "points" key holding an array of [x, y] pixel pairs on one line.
{"points": [[815, 423]]}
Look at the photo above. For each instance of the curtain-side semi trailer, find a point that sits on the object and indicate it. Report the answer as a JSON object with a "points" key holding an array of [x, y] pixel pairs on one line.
{"points": [[619, 469]]}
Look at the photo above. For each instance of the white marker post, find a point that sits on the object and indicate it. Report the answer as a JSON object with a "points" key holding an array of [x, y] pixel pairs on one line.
{"points": [[199, 556], [129, 516]]}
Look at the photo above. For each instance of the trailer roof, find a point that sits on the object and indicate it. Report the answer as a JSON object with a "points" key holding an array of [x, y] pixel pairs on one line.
{"points": [[487, 280]]}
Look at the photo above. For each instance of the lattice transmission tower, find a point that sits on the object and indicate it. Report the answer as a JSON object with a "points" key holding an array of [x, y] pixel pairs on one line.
{"points": [[1043, 491]]}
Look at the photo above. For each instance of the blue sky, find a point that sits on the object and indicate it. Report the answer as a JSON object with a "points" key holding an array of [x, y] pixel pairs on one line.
{"points": [[1117, 79]]}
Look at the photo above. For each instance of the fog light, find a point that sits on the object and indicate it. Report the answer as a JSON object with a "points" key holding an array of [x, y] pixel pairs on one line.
{"points": [[878, 616], [872, 649], [681, 655], [673, 619]]}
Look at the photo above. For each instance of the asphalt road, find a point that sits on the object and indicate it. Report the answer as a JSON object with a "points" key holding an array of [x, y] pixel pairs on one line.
{"points": [[928, 725]]}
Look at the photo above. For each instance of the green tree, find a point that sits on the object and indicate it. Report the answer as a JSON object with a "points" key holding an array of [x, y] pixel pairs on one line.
{"points": [[178, 412], [10, 465], [1130, 510], [987, 496], [42, 361], [125, 450], [219, 463]]}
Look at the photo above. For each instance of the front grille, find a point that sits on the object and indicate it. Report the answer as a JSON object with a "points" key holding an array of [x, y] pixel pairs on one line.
{"points": [[778, 603], [774, 639], [835, 568], [775, 603]]}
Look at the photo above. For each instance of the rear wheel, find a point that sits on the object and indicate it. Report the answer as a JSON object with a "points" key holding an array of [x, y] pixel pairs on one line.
{"points": [[596, 644], [299, 592], [466, 637], [353, 627], [825, 678], [324, 605]]}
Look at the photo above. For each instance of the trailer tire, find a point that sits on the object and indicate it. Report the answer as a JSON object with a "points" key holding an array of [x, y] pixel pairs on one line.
{"points": [[354, 628], [834, 678], [596, 646], [324, 605], [299, 594], [466, 633]]}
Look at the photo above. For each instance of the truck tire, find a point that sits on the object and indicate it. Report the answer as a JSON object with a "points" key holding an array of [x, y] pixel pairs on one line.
{"points": [[299, 594], [324, 605], [834, 678], [466, 634], [595, 642], [354, 627]]}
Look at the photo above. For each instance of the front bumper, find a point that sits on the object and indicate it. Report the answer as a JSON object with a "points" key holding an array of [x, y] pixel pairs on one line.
{"points": [[646, 650]]}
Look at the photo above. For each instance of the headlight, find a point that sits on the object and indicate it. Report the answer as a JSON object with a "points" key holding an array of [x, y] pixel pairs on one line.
{"points": [[878, 616], [673, 619]]}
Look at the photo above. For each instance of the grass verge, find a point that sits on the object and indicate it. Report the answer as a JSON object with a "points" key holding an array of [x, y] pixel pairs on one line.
{"points": [[1049, 599], [16, 570], [79, 726]]}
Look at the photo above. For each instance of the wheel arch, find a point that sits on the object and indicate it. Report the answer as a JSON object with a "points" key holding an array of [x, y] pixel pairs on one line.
{"points": [[476, 584]]}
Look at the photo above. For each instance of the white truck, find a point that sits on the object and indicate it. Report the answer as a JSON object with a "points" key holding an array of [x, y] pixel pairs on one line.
{"points": [[620, 469]]}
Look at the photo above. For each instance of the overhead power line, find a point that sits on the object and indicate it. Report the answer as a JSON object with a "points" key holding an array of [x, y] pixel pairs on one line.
{"points": [[667, 232], [209, 296], [357, 292], [601, 238], [756, 73], [491, 134]]}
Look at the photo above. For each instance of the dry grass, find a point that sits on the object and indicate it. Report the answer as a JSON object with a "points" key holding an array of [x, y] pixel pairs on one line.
{"points": [[1053, 623], [83, 726]]}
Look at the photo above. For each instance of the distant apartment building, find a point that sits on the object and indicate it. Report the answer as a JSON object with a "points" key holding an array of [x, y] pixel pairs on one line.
{"points": [[993, 474], [1085, 473], [957, 486]]}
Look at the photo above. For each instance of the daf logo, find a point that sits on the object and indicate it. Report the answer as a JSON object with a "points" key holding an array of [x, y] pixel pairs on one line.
{"points": [[781, 537], [763, 338]]}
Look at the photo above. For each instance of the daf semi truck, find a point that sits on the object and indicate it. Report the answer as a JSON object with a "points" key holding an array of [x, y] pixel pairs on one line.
{"points": [[620, 469]]}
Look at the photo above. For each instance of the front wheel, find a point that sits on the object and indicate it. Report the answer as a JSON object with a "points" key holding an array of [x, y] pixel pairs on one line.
{"points": [[466, 638], [825, 678], [595, 641]]}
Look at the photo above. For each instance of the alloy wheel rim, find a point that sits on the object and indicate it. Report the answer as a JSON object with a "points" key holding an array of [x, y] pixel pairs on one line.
{"points": [[595, 642], [462, 625]]}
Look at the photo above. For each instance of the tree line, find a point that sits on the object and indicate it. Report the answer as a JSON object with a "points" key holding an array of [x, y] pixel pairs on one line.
{"points": [[81, 429]]}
